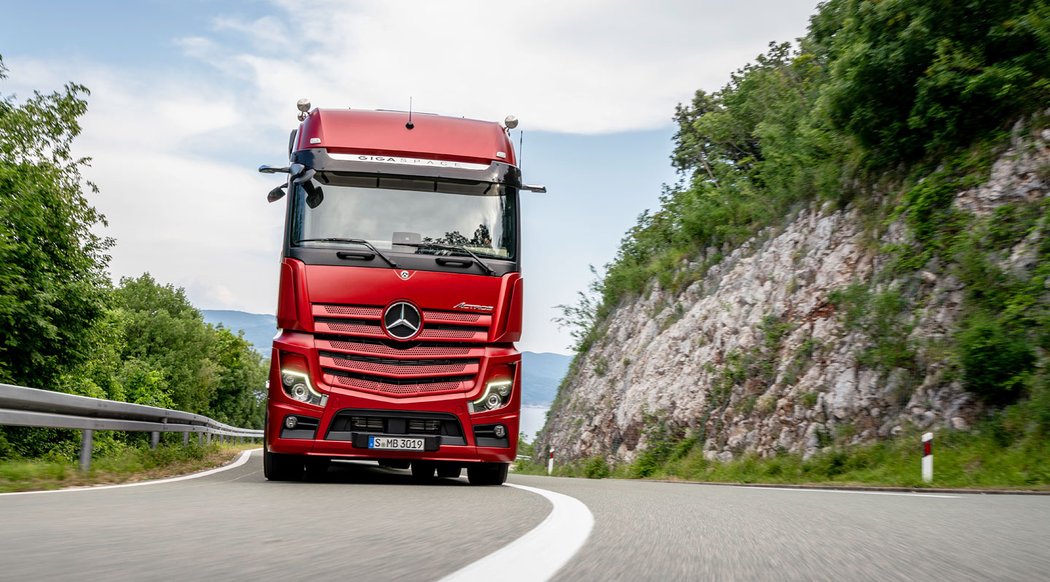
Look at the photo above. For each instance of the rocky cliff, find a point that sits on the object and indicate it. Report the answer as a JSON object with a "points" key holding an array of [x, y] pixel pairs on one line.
{"points": [[807, 335]]}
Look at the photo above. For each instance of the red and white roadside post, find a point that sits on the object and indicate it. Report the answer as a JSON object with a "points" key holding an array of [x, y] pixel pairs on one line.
{"points": [[927, 457], [550, 462]]}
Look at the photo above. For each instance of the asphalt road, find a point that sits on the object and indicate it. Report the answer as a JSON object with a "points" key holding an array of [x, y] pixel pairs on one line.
{"points": [[367, 523]]}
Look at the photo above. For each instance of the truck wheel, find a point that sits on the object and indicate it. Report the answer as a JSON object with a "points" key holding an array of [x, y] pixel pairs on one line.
{"points": [[449, 471], [316, 468], [423, 471], [278, 467], [487, 473]]}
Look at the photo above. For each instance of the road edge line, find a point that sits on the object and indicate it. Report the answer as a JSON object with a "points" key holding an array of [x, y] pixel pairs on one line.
{"points": [[542, 551], [241, 460]]}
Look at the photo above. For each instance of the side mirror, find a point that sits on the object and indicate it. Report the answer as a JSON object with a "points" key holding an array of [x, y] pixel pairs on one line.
{"points": [[276, 194], [298, 174], [314, 194]]}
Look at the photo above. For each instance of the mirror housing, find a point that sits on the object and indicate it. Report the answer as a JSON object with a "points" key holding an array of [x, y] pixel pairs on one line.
{"points": [[276, 194]]}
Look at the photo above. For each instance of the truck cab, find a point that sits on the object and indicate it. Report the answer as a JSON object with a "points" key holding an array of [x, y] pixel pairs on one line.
{"points": [[400, 297]]}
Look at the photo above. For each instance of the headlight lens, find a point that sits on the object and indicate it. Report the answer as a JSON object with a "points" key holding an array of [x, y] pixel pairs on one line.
{"points": [[296, 383], [496, 395]]}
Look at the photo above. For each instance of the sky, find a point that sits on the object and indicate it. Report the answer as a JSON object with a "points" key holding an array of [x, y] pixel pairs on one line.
{"points": [[189, 97]]}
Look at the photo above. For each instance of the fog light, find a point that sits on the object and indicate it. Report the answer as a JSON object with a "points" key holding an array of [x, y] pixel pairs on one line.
{"points": [[500, 431], [291, 421]]}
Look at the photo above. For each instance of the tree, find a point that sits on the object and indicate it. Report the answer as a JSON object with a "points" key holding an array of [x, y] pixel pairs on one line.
{"points": [[52, 266], [167, 334], [241, 391]]}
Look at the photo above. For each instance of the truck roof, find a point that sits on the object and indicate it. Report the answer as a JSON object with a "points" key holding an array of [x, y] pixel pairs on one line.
{"points": [[384, 133]]}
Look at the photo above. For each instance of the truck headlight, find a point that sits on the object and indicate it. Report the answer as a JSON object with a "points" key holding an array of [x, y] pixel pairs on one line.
{"points": [[496, 395], [296, 383]]}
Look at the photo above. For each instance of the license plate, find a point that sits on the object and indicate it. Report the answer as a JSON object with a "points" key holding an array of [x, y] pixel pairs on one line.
{"points": [[395, 443]]}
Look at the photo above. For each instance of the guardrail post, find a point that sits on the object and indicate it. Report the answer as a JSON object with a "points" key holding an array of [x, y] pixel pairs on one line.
{"points": [[87, 437], [185, 438], [207, 438], [154, 439]]}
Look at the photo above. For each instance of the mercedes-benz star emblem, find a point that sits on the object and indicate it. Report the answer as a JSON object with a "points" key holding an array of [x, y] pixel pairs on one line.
{"points": [[402, 321]]}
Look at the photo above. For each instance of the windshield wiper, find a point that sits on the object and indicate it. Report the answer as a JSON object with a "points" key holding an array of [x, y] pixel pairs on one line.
{"points": [[430, 245], [352, 241]]}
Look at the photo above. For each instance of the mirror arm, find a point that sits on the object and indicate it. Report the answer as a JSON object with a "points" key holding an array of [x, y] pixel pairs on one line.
{"points": [[264, 169]]}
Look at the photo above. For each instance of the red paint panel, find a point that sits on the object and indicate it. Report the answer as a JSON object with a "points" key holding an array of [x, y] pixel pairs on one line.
{"points": [[287, 318], [384, 133], [380, 287]]}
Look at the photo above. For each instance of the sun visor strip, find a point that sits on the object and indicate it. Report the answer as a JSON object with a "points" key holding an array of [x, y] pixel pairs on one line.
{"points": [[496, 172]]}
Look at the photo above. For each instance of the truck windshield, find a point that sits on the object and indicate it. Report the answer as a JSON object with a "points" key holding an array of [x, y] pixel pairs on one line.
{"points": [[398, 214]]}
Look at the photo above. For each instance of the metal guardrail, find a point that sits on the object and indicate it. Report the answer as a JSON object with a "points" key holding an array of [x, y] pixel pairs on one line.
{"points": [[21, 406]]}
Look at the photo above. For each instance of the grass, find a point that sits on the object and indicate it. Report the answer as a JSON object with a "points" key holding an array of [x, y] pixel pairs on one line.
{"points": [[962, 459], [128, 465]]}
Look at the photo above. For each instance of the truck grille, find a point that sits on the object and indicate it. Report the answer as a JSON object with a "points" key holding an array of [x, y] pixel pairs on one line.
{"points": [[355, 353]]}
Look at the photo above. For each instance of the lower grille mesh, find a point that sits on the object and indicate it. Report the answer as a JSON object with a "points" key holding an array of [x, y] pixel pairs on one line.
{"points": [[401, 389]]}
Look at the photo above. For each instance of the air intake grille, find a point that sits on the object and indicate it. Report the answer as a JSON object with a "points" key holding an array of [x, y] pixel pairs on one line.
{"points": [[356, 353]]}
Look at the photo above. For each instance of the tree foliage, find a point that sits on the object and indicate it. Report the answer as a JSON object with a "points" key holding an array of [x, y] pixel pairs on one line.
{"points": [[881, 100], [52, 266], [64, 326]]}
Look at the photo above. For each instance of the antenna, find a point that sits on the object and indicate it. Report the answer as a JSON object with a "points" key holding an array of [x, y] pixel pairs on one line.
{"points": [[521, 145], [409, 125]]}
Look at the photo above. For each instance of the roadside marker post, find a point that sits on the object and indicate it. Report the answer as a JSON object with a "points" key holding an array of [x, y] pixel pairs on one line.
{"points": [[550, 462], [927, 457]]}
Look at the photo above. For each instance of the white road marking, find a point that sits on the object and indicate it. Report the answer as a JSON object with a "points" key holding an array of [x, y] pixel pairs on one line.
{"points": [[850, 492], [240, 461], [540, 553]]}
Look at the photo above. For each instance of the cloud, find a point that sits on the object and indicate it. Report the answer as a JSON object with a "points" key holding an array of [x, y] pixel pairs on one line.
{"points": [[179, 200], [175, 142], [588, 66]]}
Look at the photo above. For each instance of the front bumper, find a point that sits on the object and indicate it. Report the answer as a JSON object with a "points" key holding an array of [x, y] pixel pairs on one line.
{"points": [[328, 431]]}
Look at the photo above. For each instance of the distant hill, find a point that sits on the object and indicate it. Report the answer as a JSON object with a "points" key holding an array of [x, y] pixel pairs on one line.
{"points": [[541, 372], [258, 328]]}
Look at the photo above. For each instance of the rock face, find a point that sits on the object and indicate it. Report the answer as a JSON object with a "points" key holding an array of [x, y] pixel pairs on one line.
{"points": [[754, 356]]}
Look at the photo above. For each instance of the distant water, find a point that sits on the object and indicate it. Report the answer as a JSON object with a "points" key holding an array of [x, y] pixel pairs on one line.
{"points": [[532, 419]]}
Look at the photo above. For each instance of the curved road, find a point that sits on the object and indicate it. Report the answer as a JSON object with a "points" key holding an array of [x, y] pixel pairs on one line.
{"points": [[362, 522]]}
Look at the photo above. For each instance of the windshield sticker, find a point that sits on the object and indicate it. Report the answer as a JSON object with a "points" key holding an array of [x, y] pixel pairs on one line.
{"points": [[407, 161]]}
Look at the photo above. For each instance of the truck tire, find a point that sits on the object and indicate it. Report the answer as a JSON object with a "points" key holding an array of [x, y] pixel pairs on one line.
{"points": [[487, 473], [423, 471], [317, 468], [278, 467]]}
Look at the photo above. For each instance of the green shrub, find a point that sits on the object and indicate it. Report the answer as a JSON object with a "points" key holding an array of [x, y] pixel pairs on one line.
{"points": [[596, 468], [996, 360]]}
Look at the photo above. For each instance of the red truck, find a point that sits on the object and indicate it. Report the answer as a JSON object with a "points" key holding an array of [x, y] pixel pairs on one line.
{"points": [[400, 297]]}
